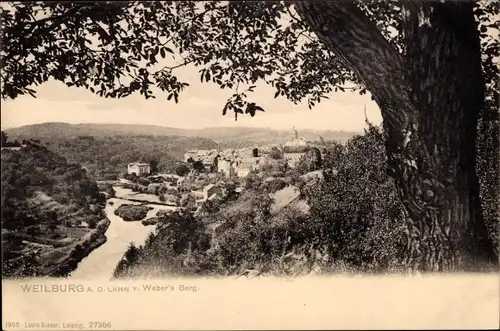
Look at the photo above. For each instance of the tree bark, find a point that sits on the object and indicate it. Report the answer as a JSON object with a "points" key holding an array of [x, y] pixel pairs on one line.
{"points": [[430, 98]]}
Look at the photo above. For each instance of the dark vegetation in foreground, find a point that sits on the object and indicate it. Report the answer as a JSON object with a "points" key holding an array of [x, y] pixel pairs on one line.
{"points": [[354, 222]]}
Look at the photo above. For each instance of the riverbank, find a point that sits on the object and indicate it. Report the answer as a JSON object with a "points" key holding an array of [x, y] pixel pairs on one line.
{"points": [[71, 256], [102, 259], [101, 262]]}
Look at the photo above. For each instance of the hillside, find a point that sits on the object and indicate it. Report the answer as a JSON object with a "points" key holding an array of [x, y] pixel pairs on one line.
{"points": [[51, 212], [227, 136], [107, 157]]}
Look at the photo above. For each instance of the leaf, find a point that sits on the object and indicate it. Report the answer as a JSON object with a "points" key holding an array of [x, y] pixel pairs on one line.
{"points": [[250, 109], [162, 53], [479, 12], [276, 94], [224, 111], [170, 96]]}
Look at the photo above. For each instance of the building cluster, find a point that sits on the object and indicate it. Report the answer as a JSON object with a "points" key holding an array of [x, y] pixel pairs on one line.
{"points": [[240, 162], [222, 165]]}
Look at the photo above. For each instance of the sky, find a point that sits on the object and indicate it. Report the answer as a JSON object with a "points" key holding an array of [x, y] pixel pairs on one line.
{"points": [[200, 105]]}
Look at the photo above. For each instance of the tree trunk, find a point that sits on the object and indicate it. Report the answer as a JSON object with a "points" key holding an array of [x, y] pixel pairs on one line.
{"points": [[430, 98]]}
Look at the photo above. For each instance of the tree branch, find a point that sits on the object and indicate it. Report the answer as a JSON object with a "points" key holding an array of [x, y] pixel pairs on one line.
{"points": [[183, 64], [350, 35]]}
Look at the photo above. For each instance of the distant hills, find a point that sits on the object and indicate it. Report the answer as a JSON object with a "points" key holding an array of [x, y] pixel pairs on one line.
{"points": [[231, 136], [106, 149]]}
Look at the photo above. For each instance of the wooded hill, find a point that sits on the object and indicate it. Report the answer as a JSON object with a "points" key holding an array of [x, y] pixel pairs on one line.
{"points": [[49, 207], [237, 136]]}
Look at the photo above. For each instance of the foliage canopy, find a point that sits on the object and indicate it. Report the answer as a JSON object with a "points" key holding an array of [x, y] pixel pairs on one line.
{"points": [[116, 48]]}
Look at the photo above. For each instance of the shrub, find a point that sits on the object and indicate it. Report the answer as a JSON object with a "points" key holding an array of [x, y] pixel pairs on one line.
{"points": [[275, 154], [359, 202], [178, 249], [92, 223], [143, 181], [187, 201], [182, 170], [275, 184]]}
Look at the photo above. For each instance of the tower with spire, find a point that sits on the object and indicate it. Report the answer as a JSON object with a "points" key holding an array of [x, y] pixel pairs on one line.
{"points": [[294, 148]]}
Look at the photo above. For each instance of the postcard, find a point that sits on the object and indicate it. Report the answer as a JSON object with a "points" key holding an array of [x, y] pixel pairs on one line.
{"points": [[174, 165]]}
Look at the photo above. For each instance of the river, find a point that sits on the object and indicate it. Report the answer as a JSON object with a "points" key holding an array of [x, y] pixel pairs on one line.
{"points": [[101, 263]]}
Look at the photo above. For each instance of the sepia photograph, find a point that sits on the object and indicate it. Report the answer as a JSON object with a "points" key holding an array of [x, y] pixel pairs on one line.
{"points": [[287, 164]]}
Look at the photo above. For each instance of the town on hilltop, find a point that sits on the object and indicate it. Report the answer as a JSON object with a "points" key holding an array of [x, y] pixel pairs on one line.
{"points": [[208, 175]]}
